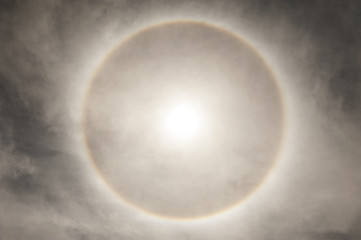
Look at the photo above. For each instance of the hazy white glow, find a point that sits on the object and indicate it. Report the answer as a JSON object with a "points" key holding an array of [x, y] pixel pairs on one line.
{"points": [[182, 121], [182, 131]]}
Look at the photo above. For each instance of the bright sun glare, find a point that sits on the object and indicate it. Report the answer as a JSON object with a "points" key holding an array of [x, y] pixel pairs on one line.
{"points": [[182, 121]]}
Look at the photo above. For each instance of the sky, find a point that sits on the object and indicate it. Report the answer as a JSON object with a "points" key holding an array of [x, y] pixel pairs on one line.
{"points": [[50, 51]]}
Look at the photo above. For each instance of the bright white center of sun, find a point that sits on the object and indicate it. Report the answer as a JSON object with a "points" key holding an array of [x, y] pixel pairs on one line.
{"points": [[182, 122]]}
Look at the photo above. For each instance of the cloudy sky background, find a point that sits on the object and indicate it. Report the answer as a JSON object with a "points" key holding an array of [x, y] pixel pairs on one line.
{"points": [[49, 49]]}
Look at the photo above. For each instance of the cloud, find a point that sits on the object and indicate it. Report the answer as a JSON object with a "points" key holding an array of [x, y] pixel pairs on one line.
{"points": [[48, 189]]}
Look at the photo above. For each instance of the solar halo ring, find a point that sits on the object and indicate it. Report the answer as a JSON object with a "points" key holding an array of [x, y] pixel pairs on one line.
{"points": [[91, 139]]}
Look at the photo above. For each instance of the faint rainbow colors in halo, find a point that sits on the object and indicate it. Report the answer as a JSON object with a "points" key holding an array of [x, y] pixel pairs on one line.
{"points": [[157, 26]]}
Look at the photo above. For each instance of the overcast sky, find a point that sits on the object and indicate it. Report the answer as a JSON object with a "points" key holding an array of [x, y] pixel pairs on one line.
{"points": [[49, 51]]}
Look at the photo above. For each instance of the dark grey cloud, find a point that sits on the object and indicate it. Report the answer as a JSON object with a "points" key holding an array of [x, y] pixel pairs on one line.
{"points": [[333, 28], [48, 189]]}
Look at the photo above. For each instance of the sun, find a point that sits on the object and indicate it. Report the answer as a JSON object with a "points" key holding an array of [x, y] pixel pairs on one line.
{"points": [[182, 121]]}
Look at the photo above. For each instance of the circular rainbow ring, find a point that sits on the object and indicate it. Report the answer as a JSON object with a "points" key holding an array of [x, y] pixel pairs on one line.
{"points": [[206, 24]]}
